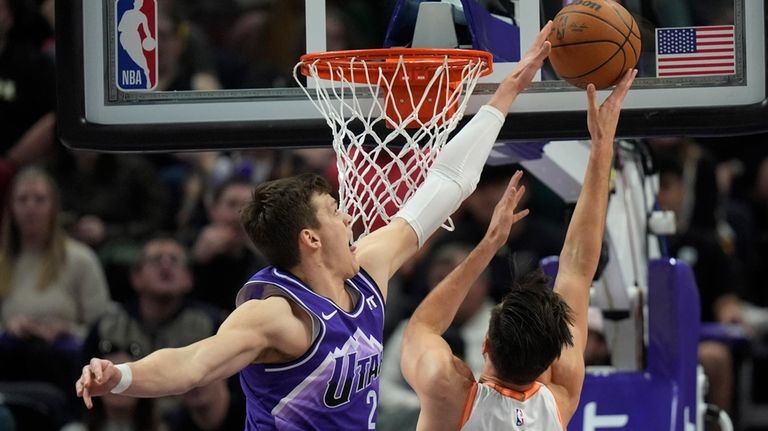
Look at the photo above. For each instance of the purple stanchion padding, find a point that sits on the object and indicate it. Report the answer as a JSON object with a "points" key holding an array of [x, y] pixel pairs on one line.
{"points": [[491, 34], [402, 20], [663, 396], [488, 33]]}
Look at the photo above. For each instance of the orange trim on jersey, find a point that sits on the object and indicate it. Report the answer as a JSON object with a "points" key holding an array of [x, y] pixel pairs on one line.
{"points": [[469, 404], [511, 393]]}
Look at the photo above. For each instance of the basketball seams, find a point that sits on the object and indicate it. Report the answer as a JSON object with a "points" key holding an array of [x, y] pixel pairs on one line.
{"points": [[630, 26], [620, 46], [595, 23], [597, 18]]}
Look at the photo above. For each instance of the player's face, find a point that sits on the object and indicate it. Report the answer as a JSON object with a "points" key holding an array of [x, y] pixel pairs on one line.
{"points": [[336, 235]]}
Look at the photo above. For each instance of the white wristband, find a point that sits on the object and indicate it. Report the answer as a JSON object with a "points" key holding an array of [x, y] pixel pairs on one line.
{"points": [[126, 377]]}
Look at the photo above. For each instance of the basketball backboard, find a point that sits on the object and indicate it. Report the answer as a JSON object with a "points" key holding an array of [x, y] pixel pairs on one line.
{"points": [[116, 91]]}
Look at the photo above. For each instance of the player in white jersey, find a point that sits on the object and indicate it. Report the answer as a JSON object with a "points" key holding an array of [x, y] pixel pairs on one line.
{"points": [[534, 364]]}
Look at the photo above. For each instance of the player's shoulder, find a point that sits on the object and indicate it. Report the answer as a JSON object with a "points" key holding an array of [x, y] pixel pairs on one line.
{"points": [[272, 312], [444, 376], [275, 306]]}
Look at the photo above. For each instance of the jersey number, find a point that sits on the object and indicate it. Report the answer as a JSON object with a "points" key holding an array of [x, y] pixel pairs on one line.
{"points": [[371, 399]]}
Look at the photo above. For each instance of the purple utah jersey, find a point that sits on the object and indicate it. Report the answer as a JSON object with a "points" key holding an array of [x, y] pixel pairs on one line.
{"points": [[335, 384]]}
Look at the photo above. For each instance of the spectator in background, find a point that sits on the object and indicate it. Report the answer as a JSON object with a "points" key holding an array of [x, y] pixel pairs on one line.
{"points": [[759, 207], [184, 175], [531, 239], [112, 203], [223, 256], [27, 93], [27, 84], [399, 405], [161, 316], [213, 407], [255, 165], [241, 62], [687, 187], [51, 286], [187, 62]]}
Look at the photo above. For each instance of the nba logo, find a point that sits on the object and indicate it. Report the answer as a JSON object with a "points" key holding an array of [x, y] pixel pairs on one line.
{"points": [[136, 40], [519, 420]]}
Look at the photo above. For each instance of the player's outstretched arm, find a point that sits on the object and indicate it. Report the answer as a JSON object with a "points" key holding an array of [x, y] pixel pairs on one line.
{"points": [[452, 177], [424, 352], [583, 241], [252, 328]]}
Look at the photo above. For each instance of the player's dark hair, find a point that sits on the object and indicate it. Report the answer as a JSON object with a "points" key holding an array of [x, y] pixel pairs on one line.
{"points": [[280, 209], [528, 330]]}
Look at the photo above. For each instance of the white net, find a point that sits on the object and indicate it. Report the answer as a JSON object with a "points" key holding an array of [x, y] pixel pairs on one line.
{"points": [[390, 117]]}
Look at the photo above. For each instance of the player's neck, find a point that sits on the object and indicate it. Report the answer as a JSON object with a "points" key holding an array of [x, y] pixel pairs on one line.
{"points": [[489, 375], [324, 282]]}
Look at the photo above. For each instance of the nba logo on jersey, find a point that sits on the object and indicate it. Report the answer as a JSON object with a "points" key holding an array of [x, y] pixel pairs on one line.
{"points": [[136, 40], [519, 420]]}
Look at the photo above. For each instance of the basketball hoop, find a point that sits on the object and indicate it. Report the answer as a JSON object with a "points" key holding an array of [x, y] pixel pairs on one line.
{"points": [[418, 94]]}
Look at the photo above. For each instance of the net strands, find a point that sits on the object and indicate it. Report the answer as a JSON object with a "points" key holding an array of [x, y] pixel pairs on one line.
{"points": [[420, 101]]}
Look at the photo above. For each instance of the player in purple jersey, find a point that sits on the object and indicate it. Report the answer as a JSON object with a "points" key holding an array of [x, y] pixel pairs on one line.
{"points": [[307, 333]]}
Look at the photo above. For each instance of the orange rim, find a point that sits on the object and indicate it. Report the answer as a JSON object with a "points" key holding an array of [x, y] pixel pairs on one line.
{"points": [[357, 62]]}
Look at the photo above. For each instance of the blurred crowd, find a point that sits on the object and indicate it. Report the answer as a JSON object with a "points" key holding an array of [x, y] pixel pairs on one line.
{"points": [[115, 255]]}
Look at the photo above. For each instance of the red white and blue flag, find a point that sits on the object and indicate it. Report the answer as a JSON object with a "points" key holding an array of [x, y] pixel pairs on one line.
{"points": [[695, 51]]}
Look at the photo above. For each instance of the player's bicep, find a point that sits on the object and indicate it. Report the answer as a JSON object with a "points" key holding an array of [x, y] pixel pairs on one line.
{"points": [[574, 290], [250, 330]]}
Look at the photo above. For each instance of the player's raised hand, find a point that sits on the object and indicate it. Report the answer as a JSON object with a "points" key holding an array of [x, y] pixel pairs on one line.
{"points": [[97, 379], [603, 119], [532, 60], [524, 72], [505, 213]]}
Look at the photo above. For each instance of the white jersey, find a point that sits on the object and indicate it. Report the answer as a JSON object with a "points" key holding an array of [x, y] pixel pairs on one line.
{"points": [[493, 407]]}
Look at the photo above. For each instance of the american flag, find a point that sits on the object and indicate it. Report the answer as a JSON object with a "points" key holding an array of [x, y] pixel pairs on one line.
{"points": [[695, 51]]}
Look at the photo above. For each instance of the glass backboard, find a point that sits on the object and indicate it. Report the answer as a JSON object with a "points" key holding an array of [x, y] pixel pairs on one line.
{"points": [[207, 75]]}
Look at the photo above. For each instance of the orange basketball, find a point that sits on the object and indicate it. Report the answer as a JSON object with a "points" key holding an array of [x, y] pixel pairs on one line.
{"points": [[594, 41]]}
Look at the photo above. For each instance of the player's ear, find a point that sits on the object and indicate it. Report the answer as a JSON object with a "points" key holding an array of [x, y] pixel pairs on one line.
{"points": [[309, 238]]}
